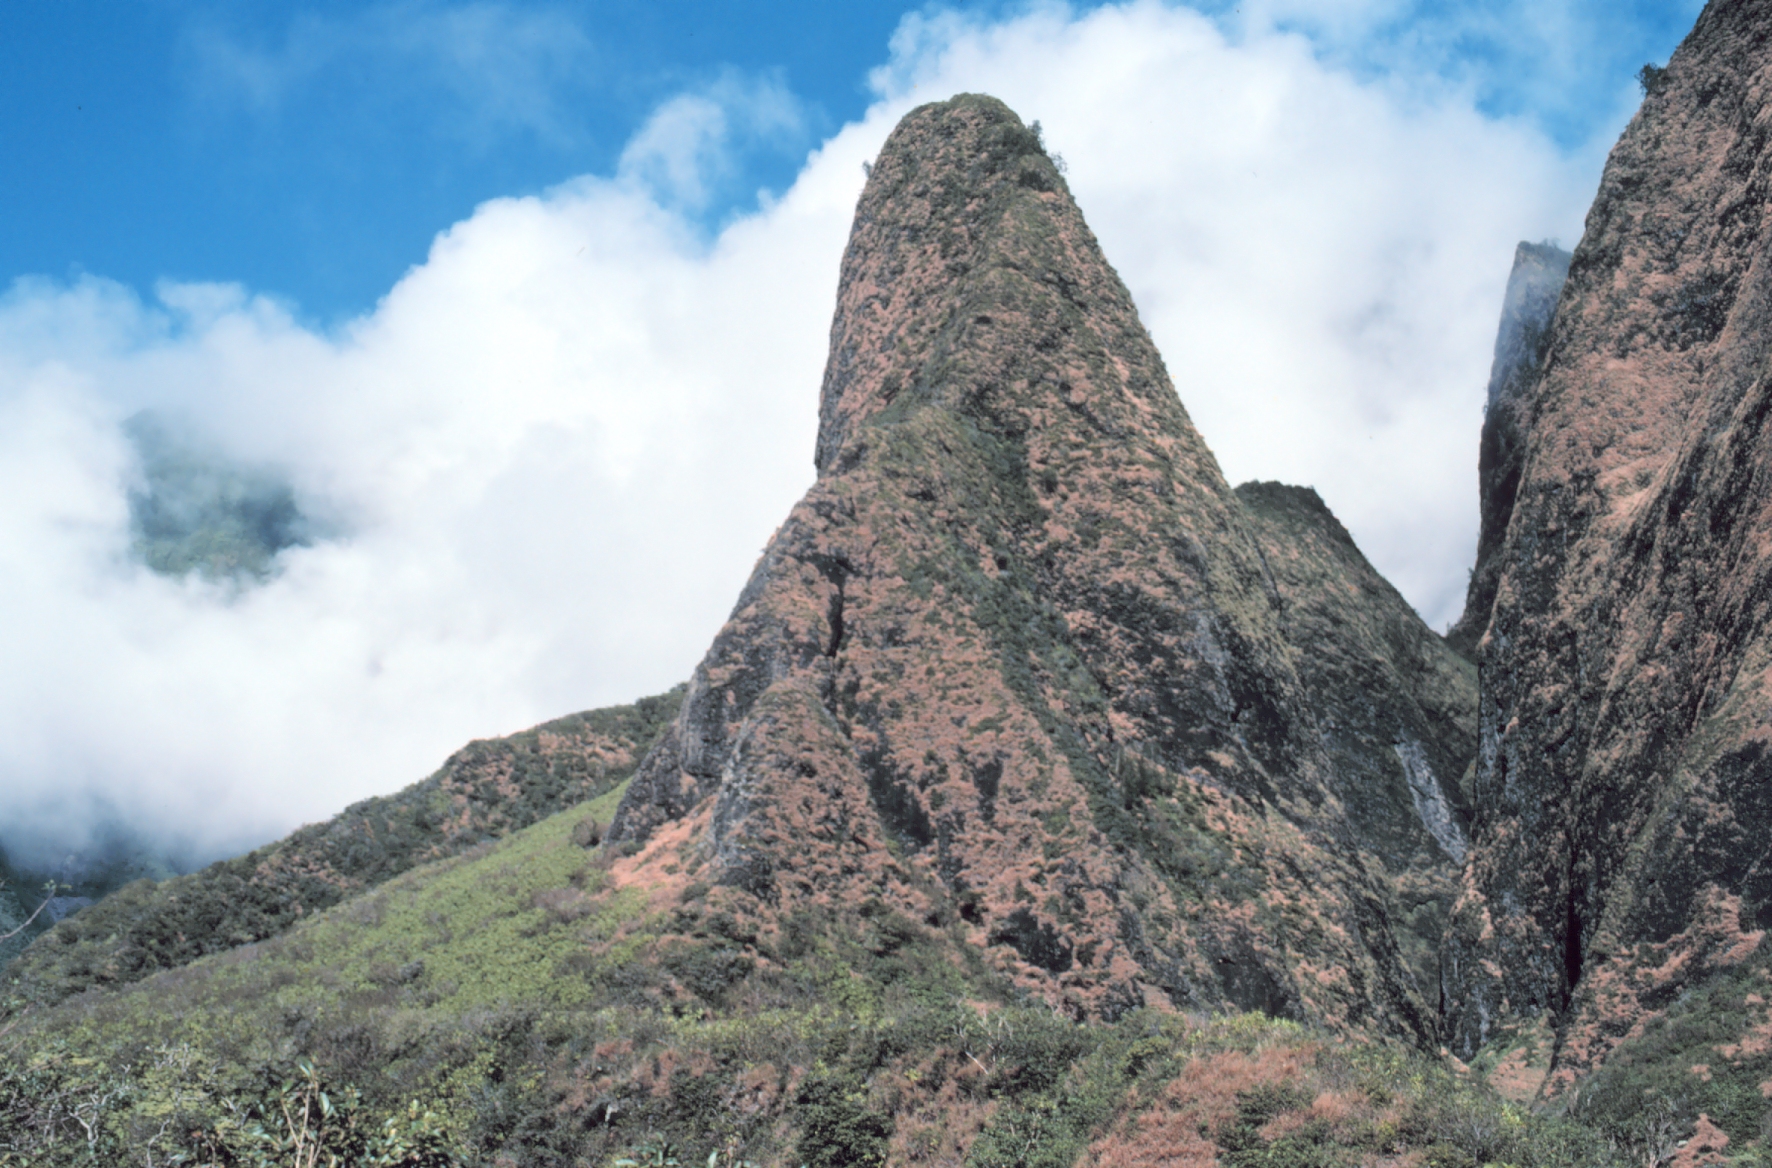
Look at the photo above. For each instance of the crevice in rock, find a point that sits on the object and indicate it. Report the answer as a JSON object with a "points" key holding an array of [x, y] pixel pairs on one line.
{"points": [[836, 569], [1571, 942], [836, 619]]}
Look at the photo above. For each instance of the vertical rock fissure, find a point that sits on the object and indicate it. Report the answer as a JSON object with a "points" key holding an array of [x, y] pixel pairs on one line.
{"points": [[1572, 956], [1431, 804], [836, 619]]}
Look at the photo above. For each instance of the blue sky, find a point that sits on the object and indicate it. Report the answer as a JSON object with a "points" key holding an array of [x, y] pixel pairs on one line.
{"points": [[313, 150], [523, 310]]}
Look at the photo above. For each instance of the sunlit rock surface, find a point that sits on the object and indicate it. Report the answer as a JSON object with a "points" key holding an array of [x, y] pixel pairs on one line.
{"points": [[1622, 796], [1022, 657]]}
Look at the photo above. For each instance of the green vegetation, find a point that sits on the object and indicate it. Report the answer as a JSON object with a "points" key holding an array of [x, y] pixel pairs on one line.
{"points": [[173, 1108], [1273, 1095], [518, 1005], [33, 899], [24, 911], [200, 511], [486, 790], [1710, 1055]]}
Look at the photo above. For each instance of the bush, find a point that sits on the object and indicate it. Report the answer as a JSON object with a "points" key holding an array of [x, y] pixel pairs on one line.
{"points": [[839, 1131]]}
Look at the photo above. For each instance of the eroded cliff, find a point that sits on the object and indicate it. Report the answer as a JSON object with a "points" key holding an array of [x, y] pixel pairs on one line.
{"points": [[1621, 793]]}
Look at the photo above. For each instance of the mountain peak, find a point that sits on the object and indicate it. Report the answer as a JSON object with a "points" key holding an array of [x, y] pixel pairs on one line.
{"points": [[1018, 658], [1521, 342], [970, 281], [1023, 717]]}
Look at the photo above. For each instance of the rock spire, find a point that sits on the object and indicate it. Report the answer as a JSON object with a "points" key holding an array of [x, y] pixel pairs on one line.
{"points": [[1021, 661]]}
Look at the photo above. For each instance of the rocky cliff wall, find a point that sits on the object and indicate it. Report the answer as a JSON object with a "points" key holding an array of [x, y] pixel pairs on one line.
{"points": [[1621, 793], [1394, 705], [1533, 287]]}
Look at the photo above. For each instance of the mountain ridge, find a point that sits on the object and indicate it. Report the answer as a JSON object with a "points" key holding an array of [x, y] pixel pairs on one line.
{"points": [[1533, 287], [1044, 800], [485, 790]]}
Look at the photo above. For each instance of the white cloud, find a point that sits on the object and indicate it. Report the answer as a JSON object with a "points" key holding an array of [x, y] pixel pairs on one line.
{"points": [[557, 447], [558, 444], [498, 67], [691, 144], [1569, 65]]}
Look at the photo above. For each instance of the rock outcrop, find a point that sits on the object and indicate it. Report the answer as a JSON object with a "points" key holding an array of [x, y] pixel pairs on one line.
{"points": [[1394, 705], [1527, 307], [1021, 657], [1622, 795]]}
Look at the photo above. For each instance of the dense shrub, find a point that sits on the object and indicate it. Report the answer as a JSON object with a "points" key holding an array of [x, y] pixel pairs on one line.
{"points": [[837, 1130]]}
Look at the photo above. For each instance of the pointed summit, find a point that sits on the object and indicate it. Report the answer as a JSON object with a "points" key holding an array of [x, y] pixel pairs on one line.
{"points": [[1016, 663], [971, 281], [1520, 343], [1024, 714]]}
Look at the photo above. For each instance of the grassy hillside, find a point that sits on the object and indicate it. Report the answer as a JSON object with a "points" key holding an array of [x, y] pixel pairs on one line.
{"points": [[485, 790], [532, 1001]]}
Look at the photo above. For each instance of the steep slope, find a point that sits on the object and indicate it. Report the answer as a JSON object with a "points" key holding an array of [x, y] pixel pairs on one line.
{"points": [[111, 861], [1016, 657], [485, 790], [1533, 287], [1621, 794], [1396, 706], [525, 1005]]}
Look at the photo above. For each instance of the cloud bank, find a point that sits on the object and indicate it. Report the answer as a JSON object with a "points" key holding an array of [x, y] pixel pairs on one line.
{"points": [[550, 455]]}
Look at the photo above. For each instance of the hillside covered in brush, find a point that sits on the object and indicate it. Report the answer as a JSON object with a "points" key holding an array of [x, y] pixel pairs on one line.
{"points": [[1046, 801], [486, 790]]}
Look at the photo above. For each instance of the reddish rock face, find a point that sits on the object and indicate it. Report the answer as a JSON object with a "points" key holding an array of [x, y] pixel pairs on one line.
{"points": [[1623, 801], [1022, 659]]}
